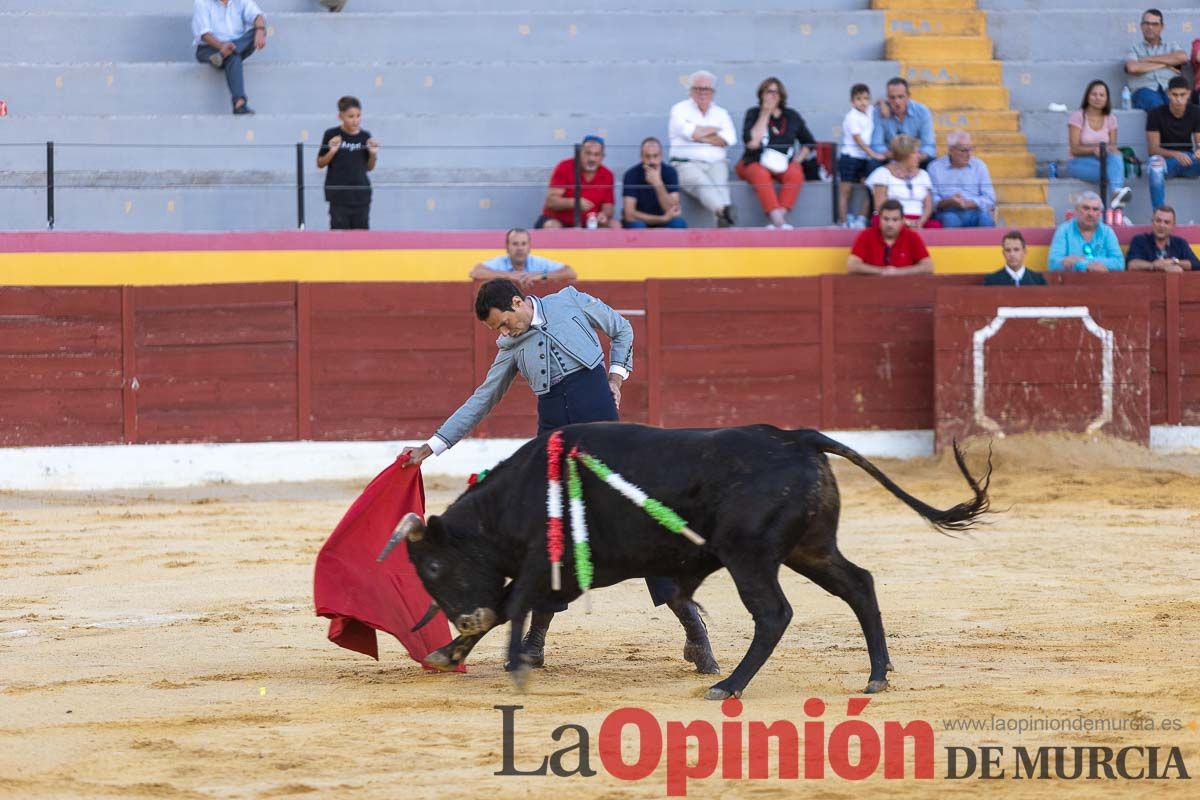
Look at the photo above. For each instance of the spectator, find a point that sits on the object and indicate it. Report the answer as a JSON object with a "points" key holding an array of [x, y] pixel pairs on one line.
{"points": [[903, 115], [890, 248], [772, 132], [1196, 71], [1171, 140], [902, 179], [334, 5], [1088, 127], [650, 191], [1014, 272], [595, 190], [854, 162], [225, 33], [1085, 244], [699, 132], [1152, 63], [520, 266], [1160, 250], [350, 153], [962, 186]]}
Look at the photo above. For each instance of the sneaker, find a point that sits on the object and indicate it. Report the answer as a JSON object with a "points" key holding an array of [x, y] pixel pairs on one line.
{"points": [[787, 226], [244, 108], [217, 60], [728, 216], [1120, 197], [770, 226]]}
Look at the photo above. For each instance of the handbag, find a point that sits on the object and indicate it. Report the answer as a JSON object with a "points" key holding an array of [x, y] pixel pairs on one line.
{"points": [[772, 160]]}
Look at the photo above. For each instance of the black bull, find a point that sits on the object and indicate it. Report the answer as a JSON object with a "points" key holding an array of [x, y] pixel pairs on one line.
{"points": [[761, 496]]}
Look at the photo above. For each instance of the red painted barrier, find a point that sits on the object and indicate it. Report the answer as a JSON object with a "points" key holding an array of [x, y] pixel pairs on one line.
{"points": [[1056, 359], [262, 362]]}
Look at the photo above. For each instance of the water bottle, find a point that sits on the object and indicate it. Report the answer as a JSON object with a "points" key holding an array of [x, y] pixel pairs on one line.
{"points": [[1052, 169], [592, 222], [1126, 98]]}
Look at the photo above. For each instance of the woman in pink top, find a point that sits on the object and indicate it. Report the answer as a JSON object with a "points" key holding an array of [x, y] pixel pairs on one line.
{"points": [[1091, 125]]}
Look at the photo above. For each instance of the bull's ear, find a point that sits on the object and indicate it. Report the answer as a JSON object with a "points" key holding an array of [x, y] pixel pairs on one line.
{"points": [[411, 527]]}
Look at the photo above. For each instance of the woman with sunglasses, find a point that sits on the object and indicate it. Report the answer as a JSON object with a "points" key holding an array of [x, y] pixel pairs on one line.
{"points": [[902, 179]]}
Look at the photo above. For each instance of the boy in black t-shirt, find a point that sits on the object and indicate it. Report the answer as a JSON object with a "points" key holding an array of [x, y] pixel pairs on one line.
{"points": [[349, 152], [1171, 139]]}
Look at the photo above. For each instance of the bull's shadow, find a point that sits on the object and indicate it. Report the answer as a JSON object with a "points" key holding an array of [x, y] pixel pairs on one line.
{"points": [[761, 497]]}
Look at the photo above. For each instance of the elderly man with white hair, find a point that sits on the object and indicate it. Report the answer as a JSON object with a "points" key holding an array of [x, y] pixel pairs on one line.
{"points": [[1085, 244], [700, 132], [963, 195]]}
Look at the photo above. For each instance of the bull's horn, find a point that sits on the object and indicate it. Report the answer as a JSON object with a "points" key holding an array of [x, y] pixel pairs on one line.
{"points": [[430, 614], [411, 527]]}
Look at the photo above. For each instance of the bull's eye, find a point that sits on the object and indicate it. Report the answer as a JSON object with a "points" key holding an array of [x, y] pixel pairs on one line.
{"points": [[434, 569]]}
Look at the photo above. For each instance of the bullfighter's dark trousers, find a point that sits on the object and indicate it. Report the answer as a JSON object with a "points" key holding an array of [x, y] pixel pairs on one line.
{"points": [[584, 396]]}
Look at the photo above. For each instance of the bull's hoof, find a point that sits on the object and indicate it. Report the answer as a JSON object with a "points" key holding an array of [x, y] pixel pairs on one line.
{"points": [[717, 693], [700, 654], [520, 677], [875, 686], [529, 662], [440, 660]]}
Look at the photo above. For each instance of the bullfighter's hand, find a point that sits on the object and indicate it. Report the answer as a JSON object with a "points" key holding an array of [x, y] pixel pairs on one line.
{"points": [[614, 385], [416, 455]]}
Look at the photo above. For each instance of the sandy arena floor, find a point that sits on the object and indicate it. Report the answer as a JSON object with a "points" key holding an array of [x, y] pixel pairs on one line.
{"points": [[163, 644]]}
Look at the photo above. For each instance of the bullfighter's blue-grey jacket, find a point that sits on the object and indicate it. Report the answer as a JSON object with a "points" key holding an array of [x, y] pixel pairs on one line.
{"points": [[561, 341]]}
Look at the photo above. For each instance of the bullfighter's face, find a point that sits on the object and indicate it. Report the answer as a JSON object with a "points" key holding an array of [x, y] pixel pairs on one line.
{"points": [[468, 591], [513, 322]]}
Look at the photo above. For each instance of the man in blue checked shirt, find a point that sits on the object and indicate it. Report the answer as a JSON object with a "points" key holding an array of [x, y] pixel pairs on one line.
{"points": [[225, 33], [1085, 244]]}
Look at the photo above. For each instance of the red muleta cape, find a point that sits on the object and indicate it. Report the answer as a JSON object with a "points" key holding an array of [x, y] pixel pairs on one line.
{"points": [[361, 595]]}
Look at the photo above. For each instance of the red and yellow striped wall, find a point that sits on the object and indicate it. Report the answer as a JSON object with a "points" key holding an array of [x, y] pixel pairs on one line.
{"points": [[115, 259]]}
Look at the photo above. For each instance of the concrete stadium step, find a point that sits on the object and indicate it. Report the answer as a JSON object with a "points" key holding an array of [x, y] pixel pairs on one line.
{"points": [[1026, 216], [1008, 163], [921, 73], [923, 4], [1023, 191], [1182, 194], [480, 36], [1047, 132], [943, 96], [182, 88], [1051, 5], [376, 6], [990, 140], [943, 22], [977, 120], [1090, 33], [949, 49], [263, 200], [1034, 85]]}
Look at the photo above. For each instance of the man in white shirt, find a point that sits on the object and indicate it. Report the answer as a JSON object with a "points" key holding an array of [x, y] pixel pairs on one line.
{"points": [[225, 33], [699, 133]]}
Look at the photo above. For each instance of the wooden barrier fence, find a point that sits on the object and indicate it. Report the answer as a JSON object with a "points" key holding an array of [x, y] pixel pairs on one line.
{"points": [[325, 361]]}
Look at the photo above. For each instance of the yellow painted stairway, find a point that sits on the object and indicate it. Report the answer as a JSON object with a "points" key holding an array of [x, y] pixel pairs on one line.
{"points": [[946, 56]]}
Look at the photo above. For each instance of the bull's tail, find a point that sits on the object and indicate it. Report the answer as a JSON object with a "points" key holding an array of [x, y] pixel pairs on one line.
{"points": [[961, 517]]}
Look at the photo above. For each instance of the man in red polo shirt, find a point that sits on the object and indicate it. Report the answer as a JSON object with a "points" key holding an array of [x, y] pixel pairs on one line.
{"points": [[595, 191], [891, 249]]}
